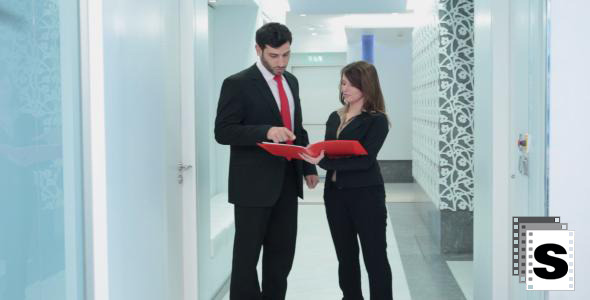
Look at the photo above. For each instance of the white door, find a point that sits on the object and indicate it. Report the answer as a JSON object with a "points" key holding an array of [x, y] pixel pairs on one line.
{"points": [[528, 60], [143, 147]]}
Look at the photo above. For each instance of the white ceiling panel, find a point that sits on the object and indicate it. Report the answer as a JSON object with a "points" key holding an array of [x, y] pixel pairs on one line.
{"points": [[346, 6], [333, 33]]}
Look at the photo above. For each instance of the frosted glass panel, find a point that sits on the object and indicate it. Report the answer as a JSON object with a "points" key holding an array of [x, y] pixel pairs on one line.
{"points": [[40, 232]]}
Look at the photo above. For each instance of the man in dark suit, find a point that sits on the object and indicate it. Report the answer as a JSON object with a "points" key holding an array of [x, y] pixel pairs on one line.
{"points": [[261, 104]]}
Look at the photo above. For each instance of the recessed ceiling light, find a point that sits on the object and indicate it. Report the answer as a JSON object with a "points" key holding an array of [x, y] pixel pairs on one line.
{"points": [[303, 15], [314, 33], [311, 28]]}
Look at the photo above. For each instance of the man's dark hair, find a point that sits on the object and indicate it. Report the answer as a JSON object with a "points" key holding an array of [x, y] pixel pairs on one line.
{"points": [[273, 34]]}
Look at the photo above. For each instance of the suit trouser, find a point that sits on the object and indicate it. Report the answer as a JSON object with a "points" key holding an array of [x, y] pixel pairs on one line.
{"points": [[360, 212], [273, 228]]}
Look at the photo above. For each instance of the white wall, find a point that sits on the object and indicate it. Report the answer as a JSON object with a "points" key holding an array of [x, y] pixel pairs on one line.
{"points": [[224, 45], [319, 93], [393, 60], [491, 229], [318, 74], [210, 276], [569, 146], [225, 39], [232, 34], [318, 90], [303, 42]]}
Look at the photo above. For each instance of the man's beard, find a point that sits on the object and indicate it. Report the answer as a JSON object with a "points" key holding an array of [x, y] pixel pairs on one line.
{"points": [[267, 66]]}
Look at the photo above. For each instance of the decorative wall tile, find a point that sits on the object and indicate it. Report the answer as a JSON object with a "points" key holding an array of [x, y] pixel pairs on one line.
{"points": [[443, 105], [425, 94], [456, 104]]}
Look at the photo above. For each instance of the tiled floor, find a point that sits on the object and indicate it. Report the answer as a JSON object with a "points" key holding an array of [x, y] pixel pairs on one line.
{"points": [[463, 272], [396, 192], [314, 274], [419, 273], [428, 274]]}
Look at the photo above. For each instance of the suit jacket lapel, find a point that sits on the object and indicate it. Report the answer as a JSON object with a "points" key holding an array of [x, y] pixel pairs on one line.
{"points": [[358, 121], [265, 91]]}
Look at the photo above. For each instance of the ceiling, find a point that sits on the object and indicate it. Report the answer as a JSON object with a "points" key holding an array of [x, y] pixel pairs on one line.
{"points": [[394, 35], [330, 25], [346, 6], [333, 33], [231, 2]]}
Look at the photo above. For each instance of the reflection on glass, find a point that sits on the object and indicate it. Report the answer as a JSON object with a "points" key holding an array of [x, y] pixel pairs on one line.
{"points": [[32, 233]]}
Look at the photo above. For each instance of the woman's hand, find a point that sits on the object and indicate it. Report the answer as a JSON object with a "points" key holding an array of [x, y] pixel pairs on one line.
{"points": [[312, 160]]}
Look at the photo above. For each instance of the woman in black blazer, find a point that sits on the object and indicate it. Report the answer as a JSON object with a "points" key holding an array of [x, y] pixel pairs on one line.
{"points": [[354, 193]]}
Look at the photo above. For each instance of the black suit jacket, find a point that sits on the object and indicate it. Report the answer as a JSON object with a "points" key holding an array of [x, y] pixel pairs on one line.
{"points": [[246, 111], [370, 129]]}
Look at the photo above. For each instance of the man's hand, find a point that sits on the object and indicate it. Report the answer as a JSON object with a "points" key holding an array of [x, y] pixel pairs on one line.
{"points": [[280, 134], [312, 181]]}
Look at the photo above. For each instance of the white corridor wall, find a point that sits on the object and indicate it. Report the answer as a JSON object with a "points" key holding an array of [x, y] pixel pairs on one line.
{"points": [[569, 146]]}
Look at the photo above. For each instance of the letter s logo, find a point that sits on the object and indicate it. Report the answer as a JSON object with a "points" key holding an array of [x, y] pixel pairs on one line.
{"points": [[560, 265]]}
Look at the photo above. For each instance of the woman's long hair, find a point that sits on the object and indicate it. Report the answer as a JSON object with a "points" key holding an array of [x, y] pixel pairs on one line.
{"points": [[363, 76]]}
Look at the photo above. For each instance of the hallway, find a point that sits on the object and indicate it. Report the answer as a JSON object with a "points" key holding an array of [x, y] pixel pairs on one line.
{"points": [[419, 271], [114, 187]]}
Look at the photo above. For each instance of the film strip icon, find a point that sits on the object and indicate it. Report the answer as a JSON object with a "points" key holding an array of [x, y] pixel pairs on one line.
{"points": [[519, 227], [562, 243], [524, 228]]}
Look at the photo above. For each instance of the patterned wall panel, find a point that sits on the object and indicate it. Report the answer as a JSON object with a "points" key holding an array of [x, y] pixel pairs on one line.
{"points": [[443, 105], [425, 94], [456, 104]]}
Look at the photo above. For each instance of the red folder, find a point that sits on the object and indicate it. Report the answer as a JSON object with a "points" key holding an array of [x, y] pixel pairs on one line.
{"points": [[332, 148]]}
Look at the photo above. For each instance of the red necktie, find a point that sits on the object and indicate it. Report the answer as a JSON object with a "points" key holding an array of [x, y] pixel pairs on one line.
{"points": [[285, 111]]}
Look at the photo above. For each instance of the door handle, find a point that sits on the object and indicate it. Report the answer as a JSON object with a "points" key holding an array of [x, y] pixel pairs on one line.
{"points": [[523, 144], [181, 168]]}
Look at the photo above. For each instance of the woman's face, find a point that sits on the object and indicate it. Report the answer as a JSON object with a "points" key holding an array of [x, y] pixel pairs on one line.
{"points": [[350, 93]]}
